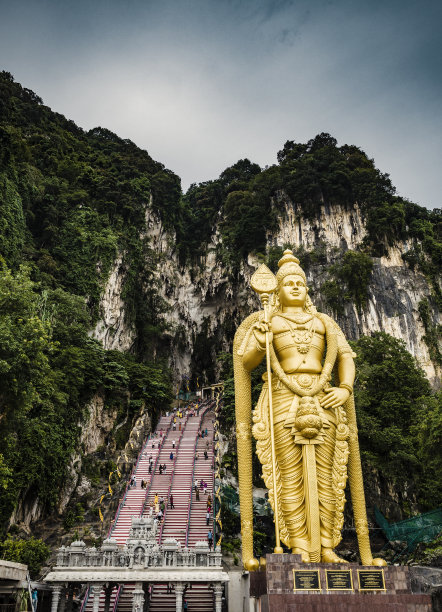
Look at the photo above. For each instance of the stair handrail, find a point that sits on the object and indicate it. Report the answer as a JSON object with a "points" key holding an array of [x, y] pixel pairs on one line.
{"points": [[219, 400], [117, 597], [160, 448], [173, 475], [85, 598], [203, 413], [122, 502], [28, 580]]}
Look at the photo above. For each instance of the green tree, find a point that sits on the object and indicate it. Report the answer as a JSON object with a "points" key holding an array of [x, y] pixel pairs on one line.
{"points": [[349, 281], [5, 475], [12, 221], [396, 410], [33, 553]]}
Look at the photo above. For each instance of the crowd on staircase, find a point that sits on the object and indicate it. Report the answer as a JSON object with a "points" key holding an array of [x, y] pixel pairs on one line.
{"points": [[172, 481]]}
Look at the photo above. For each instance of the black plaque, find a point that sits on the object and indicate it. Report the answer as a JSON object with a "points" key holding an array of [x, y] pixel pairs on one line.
{"points": [[371, 580], [339, 580], [306, 580]]}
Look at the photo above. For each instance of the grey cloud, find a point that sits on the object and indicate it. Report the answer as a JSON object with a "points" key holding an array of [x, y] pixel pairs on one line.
{"points": [[200, 84]]}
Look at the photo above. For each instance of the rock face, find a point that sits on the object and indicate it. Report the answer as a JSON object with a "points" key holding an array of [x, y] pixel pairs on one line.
{"points": [[338, 227], [112, 329], [428, 580], [28, 510], [98, 425], [204, 300]]}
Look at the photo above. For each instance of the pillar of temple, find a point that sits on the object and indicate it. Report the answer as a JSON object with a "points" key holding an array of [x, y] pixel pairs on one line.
{"points": [[62, 604], [218, 591], [138, 598], [179, 590], [56, 592], [96, 590]]}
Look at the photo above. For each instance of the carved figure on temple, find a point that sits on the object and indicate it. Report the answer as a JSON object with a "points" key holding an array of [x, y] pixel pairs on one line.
{"points": [[304, 422]]}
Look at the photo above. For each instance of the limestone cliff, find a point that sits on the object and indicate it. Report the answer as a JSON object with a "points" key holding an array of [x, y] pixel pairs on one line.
{"points": [[204, 299]]}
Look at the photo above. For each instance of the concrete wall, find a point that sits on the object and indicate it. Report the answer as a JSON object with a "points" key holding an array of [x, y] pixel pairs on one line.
{"points": [[12, 571], [238, 592]]}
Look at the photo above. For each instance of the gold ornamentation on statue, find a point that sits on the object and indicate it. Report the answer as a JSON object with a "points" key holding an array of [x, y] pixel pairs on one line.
{"points": [[302, 336], [308, 422], [243, 431], [304, 423], [361, 526]]}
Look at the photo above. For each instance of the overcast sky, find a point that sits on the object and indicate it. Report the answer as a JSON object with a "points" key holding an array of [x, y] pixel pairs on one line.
{"points": [[203, 83]]}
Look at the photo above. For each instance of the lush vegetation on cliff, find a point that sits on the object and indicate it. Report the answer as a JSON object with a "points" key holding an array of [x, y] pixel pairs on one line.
{"points": [[69, 201], [50, 369], [248, 201]]}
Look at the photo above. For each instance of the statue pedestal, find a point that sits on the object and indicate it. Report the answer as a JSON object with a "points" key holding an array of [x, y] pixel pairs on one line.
{"points": [[288, 585]]}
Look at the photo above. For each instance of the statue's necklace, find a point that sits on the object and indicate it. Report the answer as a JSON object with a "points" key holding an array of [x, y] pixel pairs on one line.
{"points": [[302, 336], [297, 317]]}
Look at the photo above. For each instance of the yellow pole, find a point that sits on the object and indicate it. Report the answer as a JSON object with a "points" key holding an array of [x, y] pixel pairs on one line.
{"points": [[278, 548]]}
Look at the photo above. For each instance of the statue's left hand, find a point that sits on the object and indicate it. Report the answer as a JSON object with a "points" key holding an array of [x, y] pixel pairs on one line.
{"points": [[335, 397]]}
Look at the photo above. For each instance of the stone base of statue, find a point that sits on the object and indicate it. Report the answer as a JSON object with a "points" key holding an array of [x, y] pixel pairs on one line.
{"points": [[288, 585]]}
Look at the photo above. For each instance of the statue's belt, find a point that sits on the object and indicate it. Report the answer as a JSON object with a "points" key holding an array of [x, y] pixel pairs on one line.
{"points": [[287, 413]]}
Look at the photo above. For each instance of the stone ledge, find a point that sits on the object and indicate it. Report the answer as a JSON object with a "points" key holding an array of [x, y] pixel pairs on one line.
{"points": [[10, 570], [350, 602], [151, 574]]}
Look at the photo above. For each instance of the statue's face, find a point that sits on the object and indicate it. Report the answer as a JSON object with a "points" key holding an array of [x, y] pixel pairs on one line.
{"points": [[293, 291]]}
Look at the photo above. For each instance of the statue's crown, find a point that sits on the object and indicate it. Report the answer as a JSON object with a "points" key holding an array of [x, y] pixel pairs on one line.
{"points": [[289, 264]]}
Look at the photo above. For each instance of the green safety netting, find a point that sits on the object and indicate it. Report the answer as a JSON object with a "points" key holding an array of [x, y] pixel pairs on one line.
{"points": [[230, 498], [422, 528]]}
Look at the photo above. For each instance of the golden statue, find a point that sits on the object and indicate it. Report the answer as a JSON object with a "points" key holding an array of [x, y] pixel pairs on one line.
{"points": [[304, 422]]}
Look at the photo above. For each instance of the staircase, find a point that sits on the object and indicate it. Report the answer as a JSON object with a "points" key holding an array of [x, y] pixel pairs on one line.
{"points": [[203, 470], [175, 522], [186, 522], [198, 595], [125, 600], [134, 497], [102, 605]]}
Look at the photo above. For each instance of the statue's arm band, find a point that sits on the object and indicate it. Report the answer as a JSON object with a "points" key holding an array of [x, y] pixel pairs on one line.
{"points": [[345, 386]]}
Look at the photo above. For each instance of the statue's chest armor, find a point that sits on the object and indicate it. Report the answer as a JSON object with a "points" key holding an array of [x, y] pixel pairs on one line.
{"points": [[290, 339]]}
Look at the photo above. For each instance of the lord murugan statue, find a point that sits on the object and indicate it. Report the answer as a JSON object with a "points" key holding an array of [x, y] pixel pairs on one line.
{"points": [[304, 422]]}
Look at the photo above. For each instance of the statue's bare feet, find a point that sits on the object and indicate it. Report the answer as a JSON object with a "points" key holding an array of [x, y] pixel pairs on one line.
{"points": [[305, 557], [328, 555]]}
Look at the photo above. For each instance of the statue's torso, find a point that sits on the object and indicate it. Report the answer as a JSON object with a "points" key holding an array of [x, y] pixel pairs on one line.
{"points": [[299, 346]]}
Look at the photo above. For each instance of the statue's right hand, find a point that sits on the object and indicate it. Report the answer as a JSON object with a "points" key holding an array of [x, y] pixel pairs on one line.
{"points": [[259, 332]]}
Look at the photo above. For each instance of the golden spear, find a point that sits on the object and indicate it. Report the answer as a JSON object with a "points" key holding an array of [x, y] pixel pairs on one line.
{"points": [[263, 282]]}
